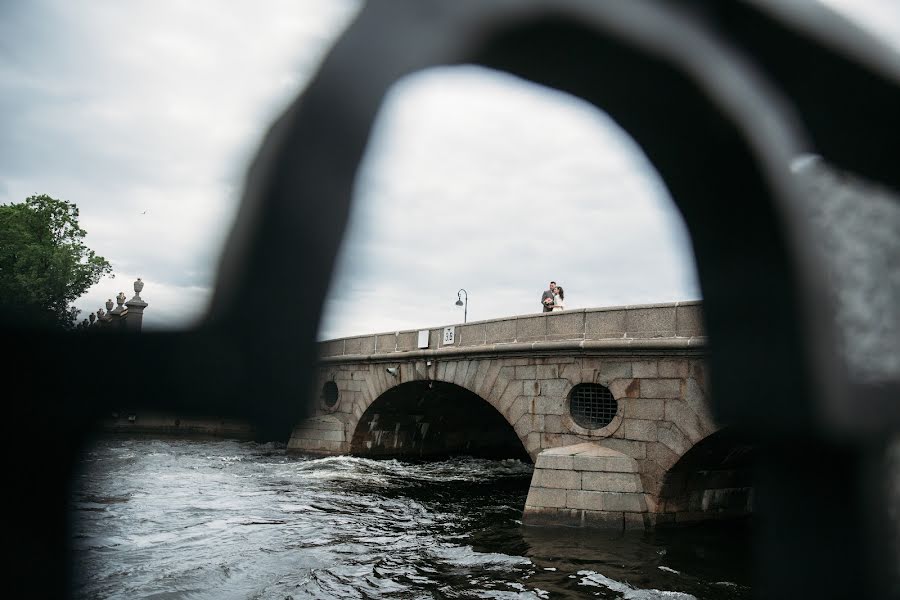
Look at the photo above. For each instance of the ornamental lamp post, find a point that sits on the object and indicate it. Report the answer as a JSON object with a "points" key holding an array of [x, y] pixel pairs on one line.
{"points": [[459, 302]]}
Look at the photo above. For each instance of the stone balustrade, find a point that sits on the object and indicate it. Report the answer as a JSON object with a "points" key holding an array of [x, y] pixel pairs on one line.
{"points": [[122, 315], [676, 324]]}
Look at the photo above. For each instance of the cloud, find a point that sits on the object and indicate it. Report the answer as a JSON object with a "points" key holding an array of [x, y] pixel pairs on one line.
{"points": [[472, 179], [151, 106], [479, 180]]}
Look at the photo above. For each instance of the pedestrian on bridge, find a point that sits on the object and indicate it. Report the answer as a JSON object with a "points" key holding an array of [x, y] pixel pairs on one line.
{"points": [[547, 297], [559, 299]]}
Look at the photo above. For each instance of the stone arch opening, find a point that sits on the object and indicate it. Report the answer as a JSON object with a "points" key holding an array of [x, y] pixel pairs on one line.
{"points": [[432, 420], [712, 480]]}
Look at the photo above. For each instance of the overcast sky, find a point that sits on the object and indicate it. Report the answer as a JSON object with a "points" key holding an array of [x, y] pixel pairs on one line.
{"points": [[146, 114]]}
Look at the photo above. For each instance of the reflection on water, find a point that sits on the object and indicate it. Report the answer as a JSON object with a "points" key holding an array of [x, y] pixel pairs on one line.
{"points": [[223, 519]]}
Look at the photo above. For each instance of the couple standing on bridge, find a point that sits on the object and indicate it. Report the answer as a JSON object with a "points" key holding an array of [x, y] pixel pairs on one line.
{"points": [[553, 299]]}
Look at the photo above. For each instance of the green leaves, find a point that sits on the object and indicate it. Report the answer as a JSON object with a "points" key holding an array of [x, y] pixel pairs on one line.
{"points": [[44, 264]]}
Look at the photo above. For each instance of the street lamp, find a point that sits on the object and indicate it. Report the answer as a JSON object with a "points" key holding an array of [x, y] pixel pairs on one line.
{"points": [[459, 302]]}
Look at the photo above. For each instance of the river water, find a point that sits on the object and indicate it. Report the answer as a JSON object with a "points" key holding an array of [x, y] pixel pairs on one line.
{"points": [[220, 519]]}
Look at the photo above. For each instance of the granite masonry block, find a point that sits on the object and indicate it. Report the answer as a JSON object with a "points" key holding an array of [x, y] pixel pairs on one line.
{"points": [[519, 407], [565, 325], [609, 370], [471, 335], [660, 388], [490, 378], [500, 332], [554, 440], [547, 372], [602, 519], [644, 408], [553, 461], [332, 348], [528, 423], [635, 429], [421, 370], [545, 405], [546, 498], [471, 374], [353, 345], [529, 329], [679, 413], [450, 371], [436, 338], [531, 387], [674, 368], [661, 455], [604, 324], [407, 340], [556, 478], [604, 464], [526, 372], [608, 501], [572, 372], [386, 343], [462, 371], [557, 388], [670, 436], [334, 436], [480, 373], [632, 448], [511, 392], [625, 388], [689, 321], [553, 424], [650, 322], [644, 368], [610, 482], [367, 345], [694, 396]]}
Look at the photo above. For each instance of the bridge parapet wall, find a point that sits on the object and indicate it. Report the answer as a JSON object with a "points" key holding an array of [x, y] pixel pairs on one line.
{"points": [[680, 322]]}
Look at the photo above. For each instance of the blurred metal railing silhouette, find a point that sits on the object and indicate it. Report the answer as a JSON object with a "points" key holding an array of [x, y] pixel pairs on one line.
{"points": [[722, 97]]}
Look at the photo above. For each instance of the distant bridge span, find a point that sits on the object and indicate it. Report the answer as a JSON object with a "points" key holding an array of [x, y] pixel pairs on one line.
{"points": [[609, 403]]}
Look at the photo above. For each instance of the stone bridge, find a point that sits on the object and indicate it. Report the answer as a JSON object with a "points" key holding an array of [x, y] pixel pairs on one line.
{"points": [[609, 403]]}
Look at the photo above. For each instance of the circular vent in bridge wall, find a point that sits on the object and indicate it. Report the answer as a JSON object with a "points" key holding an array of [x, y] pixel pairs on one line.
{"points": [[330, 393], [592, 406]]}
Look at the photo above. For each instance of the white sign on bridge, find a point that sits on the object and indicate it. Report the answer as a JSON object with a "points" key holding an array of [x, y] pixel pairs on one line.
{"points": [[449, 333]]}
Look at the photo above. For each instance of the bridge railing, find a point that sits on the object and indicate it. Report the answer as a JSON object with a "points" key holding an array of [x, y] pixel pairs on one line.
{"points": [[679, 320]]}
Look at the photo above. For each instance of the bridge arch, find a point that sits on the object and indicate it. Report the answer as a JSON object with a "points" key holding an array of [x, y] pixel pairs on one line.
{"points": [[712, 480], [432, 419]]}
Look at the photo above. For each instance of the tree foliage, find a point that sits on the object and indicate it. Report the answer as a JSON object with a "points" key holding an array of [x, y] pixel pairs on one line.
{"points": [[44, 264]]}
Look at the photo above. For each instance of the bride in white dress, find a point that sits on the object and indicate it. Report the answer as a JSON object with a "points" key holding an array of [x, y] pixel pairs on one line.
{"points": [[559, 299]]}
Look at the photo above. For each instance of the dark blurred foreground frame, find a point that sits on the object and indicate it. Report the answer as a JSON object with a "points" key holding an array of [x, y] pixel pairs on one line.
{"points": [[720, 96]]}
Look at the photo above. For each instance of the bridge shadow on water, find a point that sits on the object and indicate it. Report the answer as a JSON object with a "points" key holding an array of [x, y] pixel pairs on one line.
{"points": [[709, 560]]}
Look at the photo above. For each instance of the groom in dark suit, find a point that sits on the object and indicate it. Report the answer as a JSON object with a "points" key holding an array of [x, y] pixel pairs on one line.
{"points": [[547, 297]]}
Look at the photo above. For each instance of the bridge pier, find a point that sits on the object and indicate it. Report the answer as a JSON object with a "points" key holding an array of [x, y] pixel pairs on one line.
{"points": [[589, 485], [324, 434]]}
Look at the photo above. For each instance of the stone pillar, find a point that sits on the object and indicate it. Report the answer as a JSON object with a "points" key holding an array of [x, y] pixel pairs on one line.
{"points": [[588, 485], [105, 318], [117, 315], [136, 306]]}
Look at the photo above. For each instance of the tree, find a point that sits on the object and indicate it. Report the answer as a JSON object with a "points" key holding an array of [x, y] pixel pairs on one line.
{"points": [[44, 264]]}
